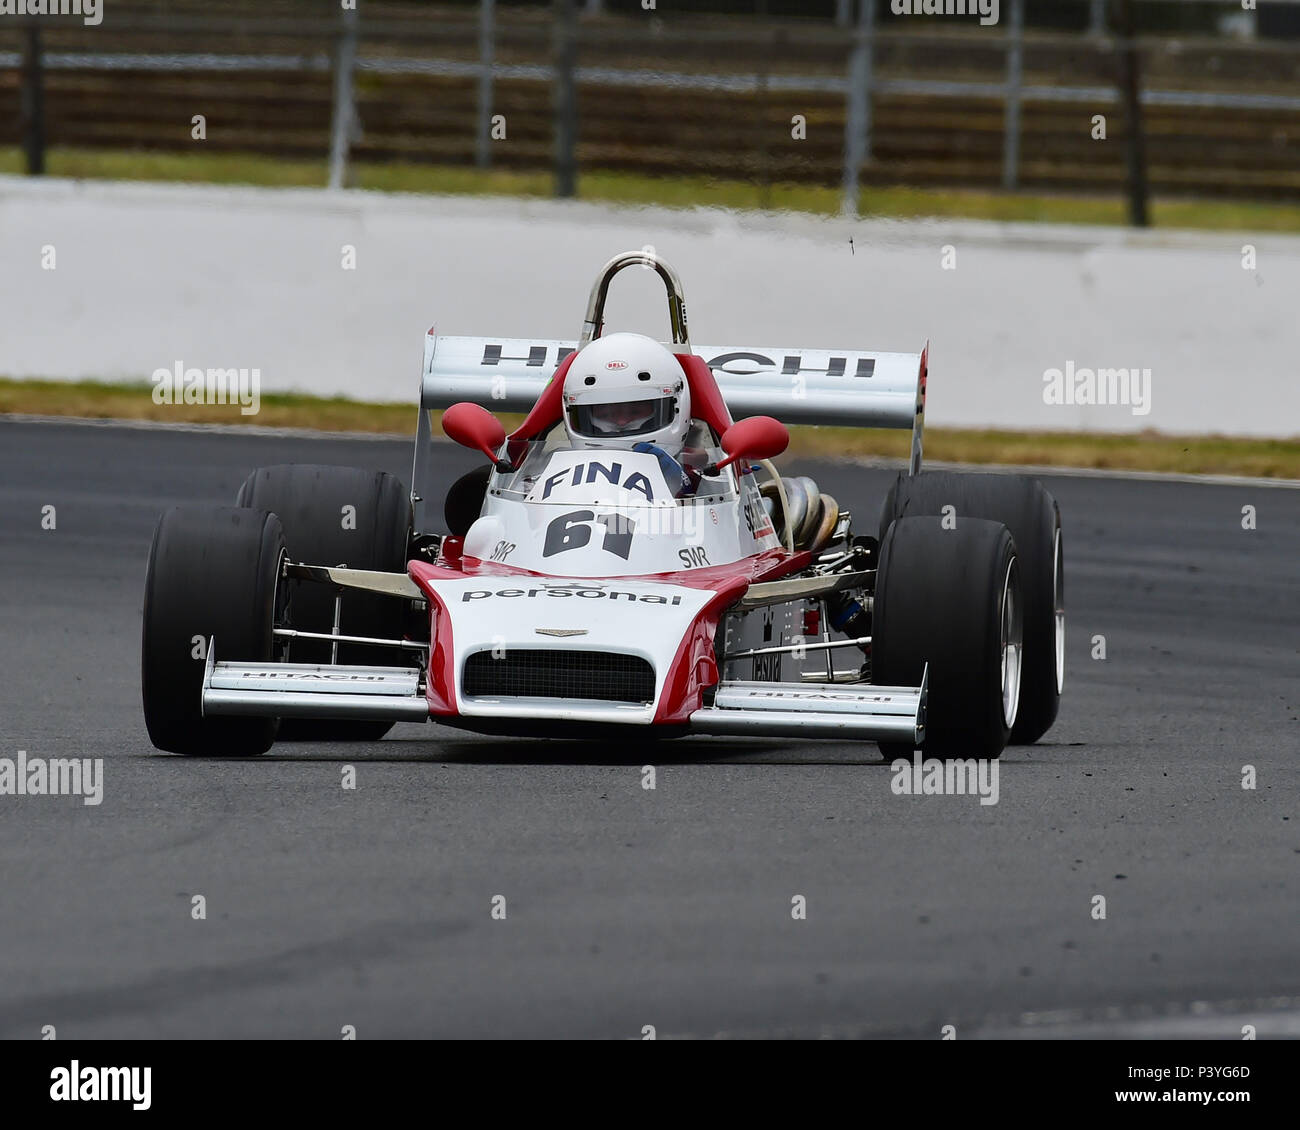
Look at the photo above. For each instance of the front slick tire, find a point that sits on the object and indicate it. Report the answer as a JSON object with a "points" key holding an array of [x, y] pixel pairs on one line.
{"points": [[213, 572], [949, 596]]}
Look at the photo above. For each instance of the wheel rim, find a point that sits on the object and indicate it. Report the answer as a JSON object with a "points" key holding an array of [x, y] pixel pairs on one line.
{"points": [[1058, 609], [1012, 642]]}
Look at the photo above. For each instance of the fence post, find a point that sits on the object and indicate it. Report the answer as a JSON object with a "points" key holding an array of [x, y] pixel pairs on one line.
{"points": [[1097, 17], [1011, 109], [566, 98], [344, 109], [32, 101], [763, 166], [486, 53], [857, 115], [1130, 97]]}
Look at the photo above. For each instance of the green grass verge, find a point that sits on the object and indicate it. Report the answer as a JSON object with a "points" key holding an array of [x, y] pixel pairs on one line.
{"points": [[683, 192], [1147, 451]]}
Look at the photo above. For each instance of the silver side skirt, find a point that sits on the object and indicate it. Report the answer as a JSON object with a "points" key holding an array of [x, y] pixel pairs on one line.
{"points": [[817, 710]]}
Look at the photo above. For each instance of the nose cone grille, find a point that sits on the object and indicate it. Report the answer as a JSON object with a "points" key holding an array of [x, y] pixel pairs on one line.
{"points": [[558, 673]]}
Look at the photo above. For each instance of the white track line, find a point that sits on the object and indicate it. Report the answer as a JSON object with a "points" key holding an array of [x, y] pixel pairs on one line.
{"points": [[1272, 1017], [1084, 472], [232, 429]]}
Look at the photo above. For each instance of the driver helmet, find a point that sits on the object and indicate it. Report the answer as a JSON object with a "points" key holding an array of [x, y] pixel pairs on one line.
{"points": [[626, 389]]}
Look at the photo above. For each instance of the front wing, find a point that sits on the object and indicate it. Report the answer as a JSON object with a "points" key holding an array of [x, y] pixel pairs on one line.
{"points": [[755, 709]]}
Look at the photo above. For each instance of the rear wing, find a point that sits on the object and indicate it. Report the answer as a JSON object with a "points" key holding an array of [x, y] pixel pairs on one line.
{"points": [[843, 387], [838, 387]]}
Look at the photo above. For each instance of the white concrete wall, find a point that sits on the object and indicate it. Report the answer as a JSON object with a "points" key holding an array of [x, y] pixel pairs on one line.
{"points": [[148, 275]]}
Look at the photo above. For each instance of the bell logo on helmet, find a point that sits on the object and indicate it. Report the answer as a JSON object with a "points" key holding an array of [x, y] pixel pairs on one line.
{"points": [[615, 364]]}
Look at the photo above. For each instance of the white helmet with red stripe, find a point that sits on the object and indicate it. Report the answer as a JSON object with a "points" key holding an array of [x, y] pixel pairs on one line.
{"points": [[625, 389]]}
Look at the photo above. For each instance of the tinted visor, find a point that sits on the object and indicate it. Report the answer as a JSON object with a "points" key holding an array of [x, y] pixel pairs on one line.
{"points": [[630, 418]]}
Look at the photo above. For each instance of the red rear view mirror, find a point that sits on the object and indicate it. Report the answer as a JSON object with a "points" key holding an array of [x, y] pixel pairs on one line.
{"points": [[758, 437], [473, 426]]}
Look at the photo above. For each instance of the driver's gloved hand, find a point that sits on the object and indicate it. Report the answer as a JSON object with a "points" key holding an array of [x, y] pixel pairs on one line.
{"points": [[681, 480]]}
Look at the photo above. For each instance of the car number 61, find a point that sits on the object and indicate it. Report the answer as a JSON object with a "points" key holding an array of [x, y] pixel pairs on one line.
{"points": [[573, 531]]}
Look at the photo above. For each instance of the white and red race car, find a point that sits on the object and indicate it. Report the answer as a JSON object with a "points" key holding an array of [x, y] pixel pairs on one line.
{"points": [[579, 593]]}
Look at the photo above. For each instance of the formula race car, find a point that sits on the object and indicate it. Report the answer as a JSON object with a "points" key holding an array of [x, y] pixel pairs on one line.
{"points": [[628, 561]]}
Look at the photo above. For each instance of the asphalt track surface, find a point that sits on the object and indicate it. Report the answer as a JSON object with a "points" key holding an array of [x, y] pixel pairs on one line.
{"points": [[672, 907]]}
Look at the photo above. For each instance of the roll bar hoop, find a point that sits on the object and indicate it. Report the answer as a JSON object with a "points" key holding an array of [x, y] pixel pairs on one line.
{"points": [[595, 322]]}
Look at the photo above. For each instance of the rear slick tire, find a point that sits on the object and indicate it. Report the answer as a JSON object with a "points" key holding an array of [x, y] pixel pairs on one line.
{"points": [[312, 501]]}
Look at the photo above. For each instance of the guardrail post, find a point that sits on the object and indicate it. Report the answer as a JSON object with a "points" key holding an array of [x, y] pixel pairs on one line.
{"points": [[344, 109], [1130, 97], [566, 98], [763, 164], [857, 109], [32, 100], [486, 53], [1097, 17], [1015, 36]]}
